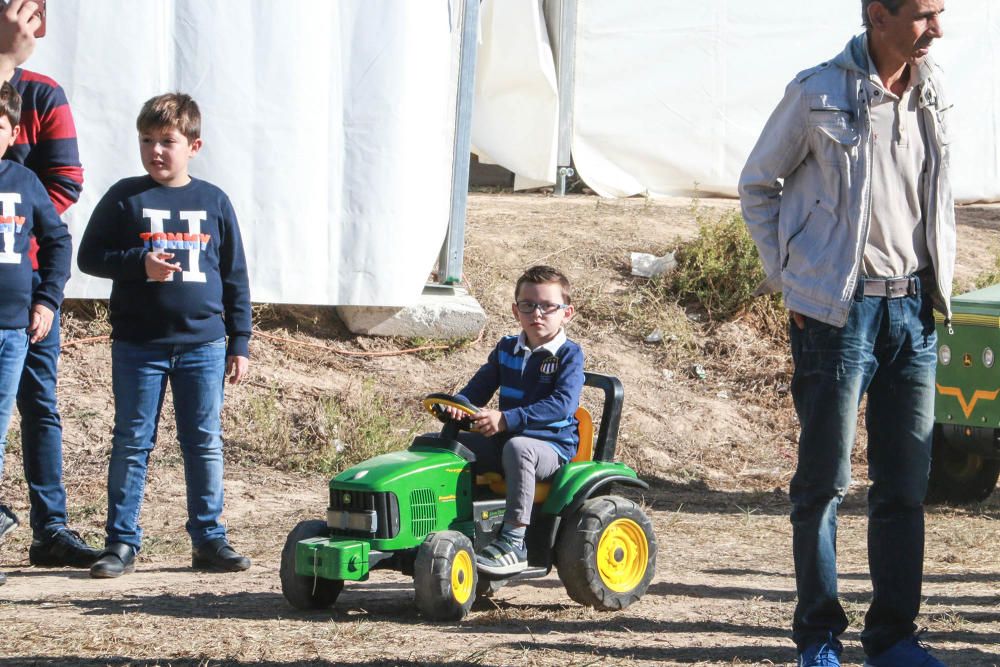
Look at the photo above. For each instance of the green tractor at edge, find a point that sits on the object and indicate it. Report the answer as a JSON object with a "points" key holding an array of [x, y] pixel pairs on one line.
{"points": [[965, 462], [425, 513]]}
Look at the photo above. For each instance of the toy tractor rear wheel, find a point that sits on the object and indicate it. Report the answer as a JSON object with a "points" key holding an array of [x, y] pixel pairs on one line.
{"points": [[606, 553], [959, 476], [444, 576], [304, 592]]}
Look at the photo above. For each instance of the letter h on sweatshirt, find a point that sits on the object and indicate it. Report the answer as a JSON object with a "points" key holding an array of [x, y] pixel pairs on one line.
{"points": [[193, 240]]}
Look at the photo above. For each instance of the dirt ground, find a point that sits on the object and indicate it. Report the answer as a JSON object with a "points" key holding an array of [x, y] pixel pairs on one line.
{"points": [[717, 451]]}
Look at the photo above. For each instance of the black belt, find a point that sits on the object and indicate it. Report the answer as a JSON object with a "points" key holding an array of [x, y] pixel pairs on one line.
{"points": [[890, 288]]}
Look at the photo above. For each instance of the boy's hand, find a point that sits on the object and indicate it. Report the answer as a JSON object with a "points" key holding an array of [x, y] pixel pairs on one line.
{"points": [[158, 268], [40, 322], [454, 413], [18, 22], [236, 368], [489, 422]]}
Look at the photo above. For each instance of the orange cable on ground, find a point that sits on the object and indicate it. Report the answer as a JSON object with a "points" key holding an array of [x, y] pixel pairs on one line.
{"points": [[282, 339], [348, 353], [85, 341]]}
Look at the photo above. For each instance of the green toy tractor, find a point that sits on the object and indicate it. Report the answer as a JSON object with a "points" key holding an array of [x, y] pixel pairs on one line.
{"points": [[965, 462], [425, 513]]}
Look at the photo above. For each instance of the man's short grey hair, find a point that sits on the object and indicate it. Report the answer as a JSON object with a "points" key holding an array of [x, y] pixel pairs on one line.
{"points": [[892, 5]]}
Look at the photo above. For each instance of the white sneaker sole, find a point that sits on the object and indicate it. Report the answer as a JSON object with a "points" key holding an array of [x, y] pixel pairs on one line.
{"points": [[513, 568]]}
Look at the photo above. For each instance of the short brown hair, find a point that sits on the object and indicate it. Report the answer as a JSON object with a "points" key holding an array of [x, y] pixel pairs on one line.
{"points": [[892, 5], [176, 111], [541, 275], [10, 103]]}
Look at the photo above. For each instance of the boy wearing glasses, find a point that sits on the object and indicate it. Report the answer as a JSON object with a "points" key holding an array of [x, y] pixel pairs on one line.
{"points": [[540, 376]]}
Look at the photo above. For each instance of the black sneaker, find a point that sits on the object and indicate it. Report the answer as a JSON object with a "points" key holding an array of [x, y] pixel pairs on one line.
{"points": [[116, 559], [218, 556], [8, 520], [64, 548]]}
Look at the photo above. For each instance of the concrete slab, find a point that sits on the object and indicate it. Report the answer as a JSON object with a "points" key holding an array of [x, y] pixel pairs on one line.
{"points": [[441, 312]]}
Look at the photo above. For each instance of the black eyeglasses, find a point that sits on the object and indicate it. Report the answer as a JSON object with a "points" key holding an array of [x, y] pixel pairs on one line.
{"points": [[528, 307]]}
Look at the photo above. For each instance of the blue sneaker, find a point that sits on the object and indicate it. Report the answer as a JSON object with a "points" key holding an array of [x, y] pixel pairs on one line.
{"points": [[907, 652], [501, 558], [824, 654]]}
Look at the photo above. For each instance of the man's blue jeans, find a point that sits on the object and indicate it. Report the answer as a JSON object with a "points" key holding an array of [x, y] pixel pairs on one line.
{"points": [[41, 433], [139, 376], [13, 347], [887, 348]]}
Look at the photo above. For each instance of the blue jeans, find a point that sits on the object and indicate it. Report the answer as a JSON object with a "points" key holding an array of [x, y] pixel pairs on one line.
{"points": [[139, 376], [41, 433], [13, 347], [887, 348]]}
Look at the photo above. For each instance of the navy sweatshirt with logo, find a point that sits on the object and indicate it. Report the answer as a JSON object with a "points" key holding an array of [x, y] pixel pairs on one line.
{"points": [[538, 402], [26, 211], [209, 299]]}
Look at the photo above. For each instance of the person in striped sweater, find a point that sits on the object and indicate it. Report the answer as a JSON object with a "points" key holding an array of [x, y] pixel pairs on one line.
{"points": [[46, 144], [540, 376], [27, 305]]}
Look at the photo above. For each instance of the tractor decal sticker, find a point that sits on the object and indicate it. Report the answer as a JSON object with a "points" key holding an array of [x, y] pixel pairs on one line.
{"points": [[457, 471], [549, 366], [442, 499], [967, 408]]}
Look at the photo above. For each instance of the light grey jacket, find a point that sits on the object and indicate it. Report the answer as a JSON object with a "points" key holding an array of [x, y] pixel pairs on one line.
{"points": [[811, 226]]}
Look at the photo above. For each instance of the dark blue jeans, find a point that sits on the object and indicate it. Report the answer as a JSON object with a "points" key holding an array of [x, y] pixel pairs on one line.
{"points": [[887, 348], [139, 376], [41, 433]]}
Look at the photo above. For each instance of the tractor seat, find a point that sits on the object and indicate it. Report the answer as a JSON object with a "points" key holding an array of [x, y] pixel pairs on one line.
{"points": [[584, 452]]}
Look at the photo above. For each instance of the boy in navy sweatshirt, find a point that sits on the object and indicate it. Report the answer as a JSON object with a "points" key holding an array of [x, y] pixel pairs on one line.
{"points": [[171, 245], [26, 314], [540, 376]]}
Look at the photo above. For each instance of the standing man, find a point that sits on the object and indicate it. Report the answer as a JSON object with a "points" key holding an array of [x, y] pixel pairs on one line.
{"points": [[847, 197], [46, 145]]}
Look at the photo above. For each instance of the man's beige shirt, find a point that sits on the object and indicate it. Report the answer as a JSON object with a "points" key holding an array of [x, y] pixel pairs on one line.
{"points": [[897, 239]]}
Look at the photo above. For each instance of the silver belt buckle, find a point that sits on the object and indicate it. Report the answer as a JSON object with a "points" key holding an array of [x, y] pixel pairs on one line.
{"points": [[897, 288]]}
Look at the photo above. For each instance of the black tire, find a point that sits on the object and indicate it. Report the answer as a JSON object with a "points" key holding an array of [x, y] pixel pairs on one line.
{"points": [[614, 530], [958, 476], [306, 592], [444, 576]]}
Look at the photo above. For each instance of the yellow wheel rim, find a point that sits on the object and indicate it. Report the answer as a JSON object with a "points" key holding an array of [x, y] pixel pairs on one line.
{"points": [[622, 555], [461, 577]]}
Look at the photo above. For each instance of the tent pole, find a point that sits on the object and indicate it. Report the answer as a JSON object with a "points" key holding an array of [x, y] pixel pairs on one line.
{"points": [[453, 250], [566, 70]]}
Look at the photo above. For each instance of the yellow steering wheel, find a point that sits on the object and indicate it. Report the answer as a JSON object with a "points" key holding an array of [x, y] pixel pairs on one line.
{"points": [[434, 403]]}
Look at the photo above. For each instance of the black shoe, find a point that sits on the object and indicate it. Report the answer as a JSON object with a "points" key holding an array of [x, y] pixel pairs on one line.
{"points": [[217, 555], [116, 559], [8, 520], [63, 549]]}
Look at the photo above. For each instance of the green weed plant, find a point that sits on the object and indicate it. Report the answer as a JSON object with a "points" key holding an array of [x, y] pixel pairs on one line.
{"points": [[720, 270]]}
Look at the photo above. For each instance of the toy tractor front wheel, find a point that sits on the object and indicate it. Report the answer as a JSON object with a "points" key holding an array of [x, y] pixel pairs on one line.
{"points": [[959, 476], [306, 592], [444, 576], [606, 554]]}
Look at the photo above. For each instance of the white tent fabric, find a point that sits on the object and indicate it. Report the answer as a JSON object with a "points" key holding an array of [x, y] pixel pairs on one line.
{"points": [[318, 116], [670, 95], [514, 121]]}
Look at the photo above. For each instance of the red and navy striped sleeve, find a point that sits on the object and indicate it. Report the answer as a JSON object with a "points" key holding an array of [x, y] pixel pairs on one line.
{"points": [[47, 143]]}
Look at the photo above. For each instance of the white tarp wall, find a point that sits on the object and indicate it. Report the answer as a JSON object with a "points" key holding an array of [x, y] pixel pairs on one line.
{"points": [[329, 124], [670, 95]]}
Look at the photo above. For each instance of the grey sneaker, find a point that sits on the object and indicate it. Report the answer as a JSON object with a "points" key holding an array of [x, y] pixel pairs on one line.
{"points": [[8, 520], [500, 557]]}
